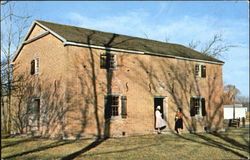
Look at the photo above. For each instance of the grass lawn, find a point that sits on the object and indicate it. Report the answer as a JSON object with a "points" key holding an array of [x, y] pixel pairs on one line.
{"points": [[233, 144]]}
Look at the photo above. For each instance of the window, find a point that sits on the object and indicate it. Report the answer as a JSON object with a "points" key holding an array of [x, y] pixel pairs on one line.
{"points": [[108, 61], [115, 105], [103, 61], [34, 68], [197, 106], [200, 70]]}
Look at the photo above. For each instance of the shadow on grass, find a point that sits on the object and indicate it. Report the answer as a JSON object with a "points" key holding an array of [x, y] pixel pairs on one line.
{"points": [[52, 145], [85, 149], [211, 142], [19, 141], [232, 142], [119, 151], [3, 135]]}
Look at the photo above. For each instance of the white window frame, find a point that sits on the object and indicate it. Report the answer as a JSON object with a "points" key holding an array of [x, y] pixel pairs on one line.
{"points": [[37, 65], [200, 70]]}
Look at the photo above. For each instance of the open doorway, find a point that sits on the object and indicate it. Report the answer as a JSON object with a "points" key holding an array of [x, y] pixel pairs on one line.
{"points": [[161, 101], [158, 101]]}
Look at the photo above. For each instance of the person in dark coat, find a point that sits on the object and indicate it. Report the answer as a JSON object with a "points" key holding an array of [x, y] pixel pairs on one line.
{"points": [[179, 121]]}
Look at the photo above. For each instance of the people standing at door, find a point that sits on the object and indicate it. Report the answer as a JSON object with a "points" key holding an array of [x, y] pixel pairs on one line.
{"points": [[160, 123], [179, 121]]}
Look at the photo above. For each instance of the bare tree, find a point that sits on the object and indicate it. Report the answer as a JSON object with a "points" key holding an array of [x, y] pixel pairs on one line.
{"points": [[231, 92], [11, 36], [244, 100], [215, 47]]}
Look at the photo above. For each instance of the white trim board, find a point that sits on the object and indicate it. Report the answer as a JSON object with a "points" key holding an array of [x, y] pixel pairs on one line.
{"points": [[36, 37]]}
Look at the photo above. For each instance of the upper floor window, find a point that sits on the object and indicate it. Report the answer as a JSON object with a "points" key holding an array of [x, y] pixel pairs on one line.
{"points": [[200, 70], [197, 106], [108, 61], [34, 67]]}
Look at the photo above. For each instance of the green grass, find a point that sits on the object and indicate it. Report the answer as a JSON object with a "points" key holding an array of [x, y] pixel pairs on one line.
{"points": [[233, 144]]}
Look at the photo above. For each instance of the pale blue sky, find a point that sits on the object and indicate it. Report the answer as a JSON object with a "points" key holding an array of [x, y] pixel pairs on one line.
{"points": [[180, 22]]}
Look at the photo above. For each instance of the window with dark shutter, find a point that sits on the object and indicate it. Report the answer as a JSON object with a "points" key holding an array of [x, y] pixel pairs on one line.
{"points": [[111, 106], [124, 106], [192, 111], [203, 71], [197, 106], [203, 106], [197, 70], [107, 107], [32, 67], [103, 61]]}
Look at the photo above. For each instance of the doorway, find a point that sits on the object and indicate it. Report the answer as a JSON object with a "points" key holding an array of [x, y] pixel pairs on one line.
{"points": [[161, 101], [158, 101]]}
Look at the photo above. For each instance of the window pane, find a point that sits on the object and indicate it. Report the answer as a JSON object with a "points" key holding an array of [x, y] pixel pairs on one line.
{"points": [[114, 110], [115, 100], [114, 105]]}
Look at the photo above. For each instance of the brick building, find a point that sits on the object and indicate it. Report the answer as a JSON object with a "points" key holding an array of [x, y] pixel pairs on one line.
{"points": [[77, 82]]}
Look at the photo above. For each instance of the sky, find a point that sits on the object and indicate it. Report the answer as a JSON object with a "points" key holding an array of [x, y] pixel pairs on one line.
{"points": [[175, 21]]}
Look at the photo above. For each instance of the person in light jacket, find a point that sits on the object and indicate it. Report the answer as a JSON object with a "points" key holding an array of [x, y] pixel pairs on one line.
{"points": [[160, 123]]}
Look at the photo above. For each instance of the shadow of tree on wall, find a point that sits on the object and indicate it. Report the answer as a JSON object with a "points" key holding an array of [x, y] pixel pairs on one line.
{"points": [[179, 81], [90, 69], [51, 112]]}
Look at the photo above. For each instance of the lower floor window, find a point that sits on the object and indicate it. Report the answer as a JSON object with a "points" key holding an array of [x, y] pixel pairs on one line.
{"points": [[114, 105], [197, 106]]}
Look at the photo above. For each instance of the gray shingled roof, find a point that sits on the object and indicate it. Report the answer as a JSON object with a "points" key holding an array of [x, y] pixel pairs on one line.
{"points": [[112, 40]]}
